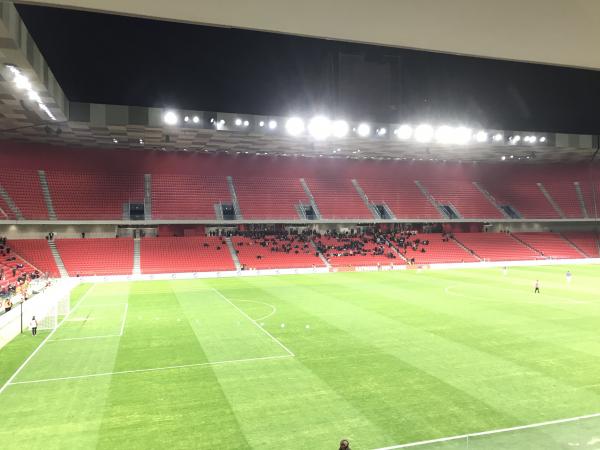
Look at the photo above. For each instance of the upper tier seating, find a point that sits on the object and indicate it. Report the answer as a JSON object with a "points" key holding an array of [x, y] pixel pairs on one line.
{"points": [[24, 188], [587, 242], [496, 246], [525, 197], [403, 197], [187, 196], [565, 196], [268, 198], [91, 195], [184, 254], [345, 251], [5, 212], [37, 252], [551, 245], [464, 196], [269, 253], [438, 250], [591, 198], [337, 198], [101, 256]]}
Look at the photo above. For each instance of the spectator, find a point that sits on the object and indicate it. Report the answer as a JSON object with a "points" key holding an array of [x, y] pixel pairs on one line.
{"points": [[344, 444]]}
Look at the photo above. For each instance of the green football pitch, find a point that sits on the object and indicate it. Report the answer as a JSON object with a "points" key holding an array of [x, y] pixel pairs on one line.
{"points": [[380, 358]]}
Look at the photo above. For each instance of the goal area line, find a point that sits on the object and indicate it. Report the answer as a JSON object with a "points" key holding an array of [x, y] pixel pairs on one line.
{"points": [[490, 432]]}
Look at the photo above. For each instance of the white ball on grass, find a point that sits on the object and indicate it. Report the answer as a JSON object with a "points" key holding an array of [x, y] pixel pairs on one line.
{"points": [[283, 325]]}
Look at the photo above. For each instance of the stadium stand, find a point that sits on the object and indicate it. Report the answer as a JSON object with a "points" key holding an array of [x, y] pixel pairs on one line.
{"points": [[268, 198], [524, 197], [496, 246], [587, 242], [337, 199], [550, 245], [353, 251], [99, 256], [23, 187], [181, 196], [402, 196], [273, 252], [5, 212], [93, 195], [184, 254], [466, 199], [432, 248], [37, 252], [565, 196]]}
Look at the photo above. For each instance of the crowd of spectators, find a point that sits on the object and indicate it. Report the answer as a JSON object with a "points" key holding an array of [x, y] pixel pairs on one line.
{"points": [[14, 276], [334, 244]]}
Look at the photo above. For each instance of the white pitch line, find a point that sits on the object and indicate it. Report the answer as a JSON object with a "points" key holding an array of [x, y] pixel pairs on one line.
{"points": [[124, 318], [486, 433], [273, 309], [46, 339], [152, 369], [291, 353], [85, 337]]}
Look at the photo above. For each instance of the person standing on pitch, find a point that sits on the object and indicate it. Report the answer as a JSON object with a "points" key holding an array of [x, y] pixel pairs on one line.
{"points": [[568, 277], [33, 326], [537, 287], [344, 444]]}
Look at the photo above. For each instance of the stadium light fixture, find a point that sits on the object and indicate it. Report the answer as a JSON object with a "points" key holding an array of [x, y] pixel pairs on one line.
{"points": [[381, 131], [503, 158], [497, 137], [404, 132], [246, 123], [294, 126], [543, 139], [481, 136], [196, 119], [462, 135], [532, 139], [238, 122], [272, 124], [186, 119], [444, 134], [339, 128], [319, 128], [170, 118], [424, 133], [261, 123], [115, 141], [363, 130]]}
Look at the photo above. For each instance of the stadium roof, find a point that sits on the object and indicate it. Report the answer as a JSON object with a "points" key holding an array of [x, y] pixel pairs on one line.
{"points": [[41, 112]]}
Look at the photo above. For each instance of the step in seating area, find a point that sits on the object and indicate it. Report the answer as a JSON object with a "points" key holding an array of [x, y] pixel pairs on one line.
{"points": [[525, 197], [496, 246], [181, 196], [5, 212], [587, 242], [565, 196], [184, 254], [403, 197], [96, 256], [550, 245], [37, 252], [93, 195], [337, 198], [355, 251], [430, 248], [268, 198], [275, 252]]}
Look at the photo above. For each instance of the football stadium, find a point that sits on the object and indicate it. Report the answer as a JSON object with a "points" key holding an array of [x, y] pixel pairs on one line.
{"points": [[315, 225]]}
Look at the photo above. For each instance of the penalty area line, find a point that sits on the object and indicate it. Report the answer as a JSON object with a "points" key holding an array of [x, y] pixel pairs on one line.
{"points": [[490, 432], [152, 369]]}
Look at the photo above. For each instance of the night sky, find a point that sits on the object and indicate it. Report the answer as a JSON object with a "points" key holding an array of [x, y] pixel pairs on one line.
{"points": [[121, 60]]}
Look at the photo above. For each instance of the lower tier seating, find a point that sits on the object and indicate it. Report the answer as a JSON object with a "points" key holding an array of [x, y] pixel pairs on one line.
{"points": [[273, 252], [101, 256], [550, 245], [367, 250], [587, 242], [496, 246], [431, 248], [184, 254], [37, 252]]}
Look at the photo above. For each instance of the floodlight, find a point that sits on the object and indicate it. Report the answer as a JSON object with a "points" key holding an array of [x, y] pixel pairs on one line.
{"points": [[319, 127], [272, 124], [34, 96], [543, 139], [462, 135], [424, 133], [294, 126], [444, 134], [238, 122], [497, 137], [261, 123], [186, 119], [170, 118], [381, 131], [481, 136], [503, 158], [339, 128], [404, 132], [195, 119], [532, 139], [22, 82], [363, 130], [246, 123]]}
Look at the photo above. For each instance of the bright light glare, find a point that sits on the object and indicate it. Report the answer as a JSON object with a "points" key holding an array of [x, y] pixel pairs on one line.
{"points": [[462, 135], [404, 132], [339, 128], [381, 131], [363, 130], [22, 82], [170, 118], [503, 158], [481, 136], [424, 133], [272, 124], [294, 126], [238, 122], [543, 139], [444, 134], [261, 123], [497, 137], [196, 119], [319, 127], [532, 139]]}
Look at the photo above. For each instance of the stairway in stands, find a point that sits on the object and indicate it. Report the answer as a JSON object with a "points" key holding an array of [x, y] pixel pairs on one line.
{"points": [[58, 260], [580, 199], [147, 196], [46, 193], [234, 199], [309, 194], [136, 256], [11, 204], [234, 256], [557, 208]]}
